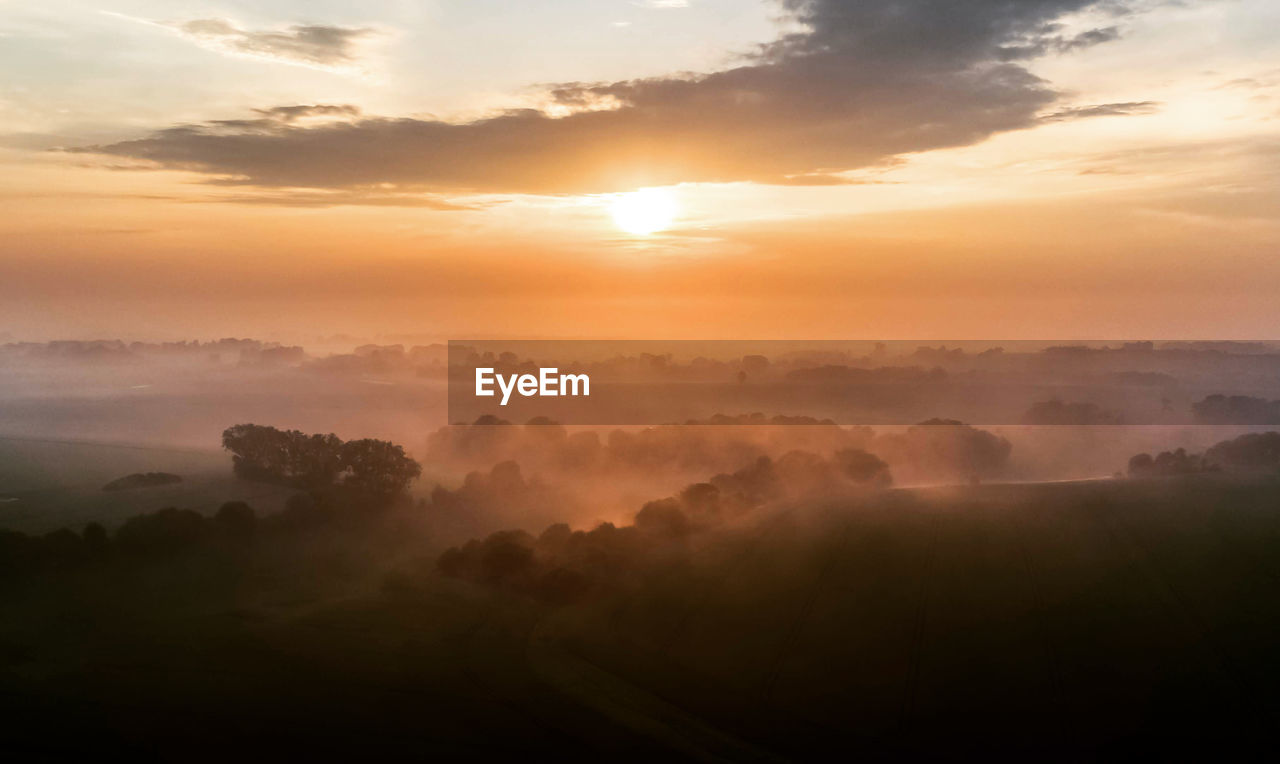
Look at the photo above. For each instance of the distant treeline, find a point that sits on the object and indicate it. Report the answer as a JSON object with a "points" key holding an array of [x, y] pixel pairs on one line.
{"points": [[561, 564], [1257, 452], [340, 480], [936, 449], [159, 533], [288, 457], [142, 480], [1056, 412], [246, 351], [173, 531], [1236, 409], [1130, 363]]}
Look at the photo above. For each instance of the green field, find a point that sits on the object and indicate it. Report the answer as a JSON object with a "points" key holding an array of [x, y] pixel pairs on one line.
{"points": [[1064, 621]]}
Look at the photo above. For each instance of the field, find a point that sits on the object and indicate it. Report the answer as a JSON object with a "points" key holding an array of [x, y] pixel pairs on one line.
{"points": [[48, 484], [1100, 619]]}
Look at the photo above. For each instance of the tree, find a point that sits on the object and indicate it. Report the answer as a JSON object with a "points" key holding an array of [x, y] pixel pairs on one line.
{"points": [[236, 519], [945, 448], [664, 518], [1177, 462], [257, 452], [378, 467], [311, 462], [1255, 451], [1236, 409], [162, 532], [863, 467]]}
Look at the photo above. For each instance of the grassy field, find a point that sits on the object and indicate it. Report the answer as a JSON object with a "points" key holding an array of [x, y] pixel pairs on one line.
{"points": [[1063, 622], [46, 484]]}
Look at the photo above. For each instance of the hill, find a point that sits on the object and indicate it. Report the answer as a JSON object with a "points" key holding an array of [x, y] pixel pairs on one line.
{"points": [[1060, 621]]}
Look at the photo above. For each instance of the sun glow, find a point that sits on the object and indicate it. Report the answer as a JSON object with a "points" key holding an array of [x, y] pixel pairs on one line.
{"points": [[643, 212]]}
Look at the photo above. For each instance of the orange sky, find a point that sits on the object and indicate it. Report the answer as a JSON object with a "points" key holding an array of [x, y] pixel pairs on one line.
{"points": [[1071, 173]]}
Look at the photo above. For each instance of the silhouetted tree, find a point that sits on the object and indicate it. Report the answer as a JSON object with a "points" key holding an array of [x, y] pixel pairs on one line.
{"points": [[316, 459], [162, 532], [663, 518], [863, 467], [378, 467], [142, 480], [62, 547], [505, 555], [1141, 464], [257, 452], [755, 364], [1059, 412], [1166, 463], [1256, 451], [561, 586], [1236, 409], [946, 447], [289, 457]]}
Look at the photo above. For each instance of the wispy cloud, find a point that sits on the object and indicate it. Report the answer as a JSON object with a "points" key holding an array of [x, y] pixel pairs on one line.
{"points": [[1122, 109], [317, 46]]}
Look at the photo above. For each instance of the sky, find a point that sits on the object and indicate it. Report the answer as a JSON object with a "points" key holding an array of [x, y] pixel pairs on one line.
{"points": [[933, 169]]}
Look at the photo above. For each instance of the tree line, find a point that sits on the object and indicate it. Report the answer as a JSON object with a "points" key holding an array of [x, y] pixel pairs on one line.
{"points": [[377, 468]]}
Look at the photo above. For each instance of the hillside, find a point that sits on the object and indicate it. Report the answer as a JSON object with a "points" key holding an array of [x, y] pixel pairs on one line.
{"points": [[1056, 621]]}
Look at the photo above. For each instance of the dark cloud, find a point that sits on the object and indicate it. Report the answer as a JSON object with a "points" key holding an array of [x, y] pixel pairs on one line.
{"points": [[318, 45], [1125, 108], [279, 116], [340, 198], [865, 81]]}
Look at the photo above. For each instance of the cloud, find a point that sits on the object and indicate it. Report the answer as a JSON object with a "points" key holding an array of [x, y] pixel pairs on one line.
{"points": [[280, 116], [339, 198], [863, 82], [659, 4], [823, 179], [315, 45], [1126, 108]]}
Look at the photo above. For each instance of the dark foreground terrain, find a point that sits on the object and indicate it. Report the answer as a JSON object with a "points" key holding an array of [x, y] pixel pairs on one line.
{"points": [[1106, 620]]}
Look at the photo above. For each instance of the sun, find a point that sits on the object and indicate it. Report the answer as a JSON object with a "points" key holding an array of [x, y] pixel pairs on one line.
{"points": [[643, 212]]}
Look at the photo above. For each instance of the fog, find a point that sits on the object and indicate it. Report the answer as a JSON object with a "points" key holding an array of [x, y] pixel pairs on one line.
{"points": [[745, 583], [1031, 412]]}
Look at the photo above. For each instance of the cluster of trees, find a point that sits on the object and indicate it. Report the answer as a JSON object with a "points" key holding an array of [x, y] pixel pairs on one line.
{"points": [[944, 449], [1257, 452], [882, 374], [503, 496], [543, 445], [288, 457], [1177, 462], [1061, 412], [365, 469], [560, 565], [173, 531], [1236, 409], [142, 480], [937, 449], [80, 351], [155, 534]]}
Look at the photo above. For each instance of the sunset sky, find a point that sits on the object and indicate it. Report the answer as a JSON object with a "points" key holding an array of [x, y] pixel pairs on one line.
{"points": [[461, 168]]}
